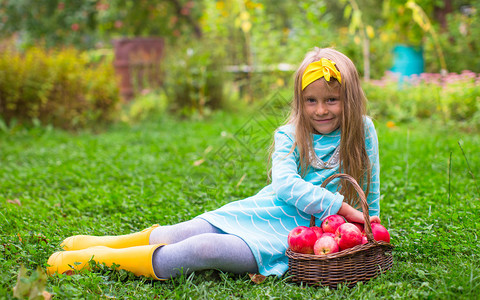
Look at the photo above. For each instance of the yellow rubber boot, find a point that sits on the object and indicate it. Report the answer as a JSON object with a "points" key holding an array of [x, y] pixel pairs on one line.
{"points": [[79, 242], [137, 260]]}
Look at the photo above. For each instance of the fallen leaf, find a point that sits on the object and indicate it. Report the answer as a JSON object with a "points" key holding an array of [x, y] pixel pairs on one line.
{"points": [[31, 287], [257, 278], [15, 201], [20, 290], [208, 149], [198, 162], [47, 295], [19, 237]]}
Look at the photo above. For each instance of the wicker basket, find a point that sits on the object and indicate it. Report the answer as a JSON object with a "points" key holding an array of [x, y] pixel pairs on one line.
{"points": [[350, 266]]}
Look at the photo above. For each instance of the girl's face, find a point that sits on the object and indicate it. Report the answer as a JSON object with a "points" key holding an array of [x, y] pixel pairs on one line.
{"points": [[323, 106]]}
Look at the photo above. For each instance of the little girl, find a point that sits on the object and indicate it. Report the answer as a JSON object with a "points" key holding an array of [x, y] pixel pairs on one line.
{"points": [[328, 132]]}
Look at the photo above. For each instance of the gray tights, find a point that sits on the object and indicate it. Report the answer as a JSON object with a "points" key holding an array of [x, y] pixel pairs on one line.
{"points": [[196, 245]]}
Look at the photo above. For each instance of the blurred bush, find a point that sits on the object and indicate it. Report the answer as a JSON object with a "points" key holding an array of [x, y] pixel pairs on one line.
{"points": [[61, 88], [147, 105], [450, 98], [194, 77], [459, 40]]}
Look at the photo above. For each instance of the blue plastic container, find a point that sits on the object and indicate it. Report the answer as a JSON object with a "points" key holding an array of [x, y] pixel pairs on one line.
{"points": [[408, 60]]}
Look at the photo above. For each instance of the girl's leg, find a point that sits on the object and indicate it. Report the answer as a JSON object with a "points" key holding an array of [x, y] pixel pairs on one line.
{"points": [[153, 235], [79, 242], [171, 234], [225, 252], [191, 251], [136, 259]]}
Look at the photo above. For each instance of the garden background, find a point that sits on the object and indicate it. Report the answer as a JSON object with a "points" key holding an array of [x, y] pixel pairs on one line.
{"points": [[115, 115]]}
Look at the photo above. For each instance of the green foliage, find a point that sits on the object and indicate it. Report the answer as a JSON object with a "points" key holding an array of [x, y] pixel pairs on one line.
{"points": [[261, 33], [194, 77], [84, 24], [453, 98], [128, 178], [281, 36], [56, 87], [149, 104], [459, 41], [54, 22], [400, 23]]}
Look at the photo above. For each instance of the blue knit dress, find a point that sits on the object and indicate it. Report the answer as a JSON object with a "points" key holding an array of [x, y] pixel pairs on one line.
{"points": [[264, 220]]}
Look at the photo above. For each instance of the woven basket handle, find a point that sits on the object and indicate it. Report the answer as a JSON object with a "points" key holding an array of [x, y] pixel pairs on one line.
{"points": [[363, 200]]}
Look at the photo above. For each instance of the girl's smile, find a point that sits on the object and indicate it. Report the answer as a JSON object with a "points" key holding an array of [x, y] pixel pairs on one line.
{"points": [[323, 121], [323, 106]]}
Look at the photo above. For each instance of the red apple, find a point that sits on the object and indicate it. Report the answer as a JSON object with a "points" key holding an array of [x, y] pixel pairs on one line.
{"points": [[331, 223], [302, 239], [380, 233], [329, 234], [364, 240], [359, 226], [318, 231], [348, 236], [325, 245]]}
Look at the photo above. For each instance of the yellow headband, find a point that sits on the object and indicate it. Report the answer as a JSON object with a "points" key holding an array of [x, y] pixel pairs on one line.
{"points": [[318, 69]]}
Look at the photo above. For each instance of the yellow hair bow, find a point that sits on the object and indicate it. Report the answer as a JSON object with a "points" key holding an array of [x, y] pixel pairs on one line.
{"points": [[318, 69]]}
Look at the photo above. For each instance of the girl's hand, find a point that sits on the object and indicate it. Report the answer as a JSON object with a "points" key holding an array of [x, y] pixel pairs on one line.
{"points": [[350, 213], [353, 215]]}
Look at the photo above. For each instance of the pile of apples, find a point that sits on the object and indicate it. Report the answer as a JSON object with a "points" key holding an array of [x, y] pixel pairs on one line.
{"points": [[334, 235]]}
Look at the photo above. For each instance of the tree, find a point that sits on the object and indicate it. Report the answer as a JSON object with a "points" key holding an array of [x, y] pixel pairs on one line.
{"points": [[85, 23]]}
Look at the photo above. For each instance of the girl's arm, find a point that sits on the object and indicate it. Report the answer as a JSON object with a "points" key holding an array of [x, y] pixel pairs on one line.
{"points": [[290, 187], [353, 215], [371, 144]]}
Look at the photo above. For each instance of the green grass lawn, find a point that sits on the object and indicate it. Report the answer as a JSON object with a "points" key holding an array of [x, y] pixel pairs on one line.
{"points": [[127, 178]]}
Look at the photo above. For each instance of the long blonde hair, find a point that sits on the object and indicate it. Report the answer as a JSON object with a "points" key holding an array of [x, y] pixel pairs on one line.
{"points": [[353, 155]]}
